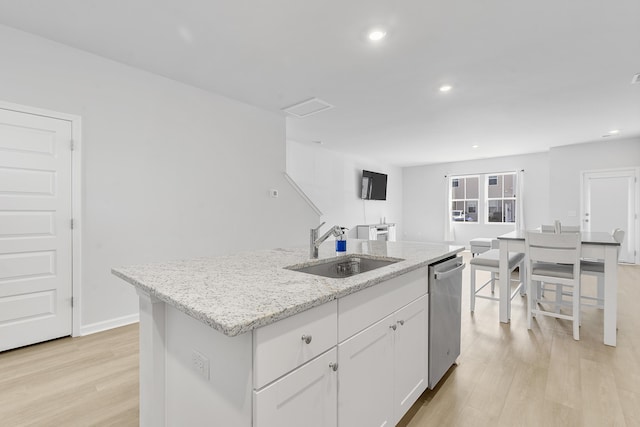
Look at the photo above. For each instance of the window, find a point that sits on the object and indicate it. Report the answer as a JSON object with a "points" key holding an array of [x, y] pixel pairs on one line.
{"points": [[464, 198], [501, 198]]}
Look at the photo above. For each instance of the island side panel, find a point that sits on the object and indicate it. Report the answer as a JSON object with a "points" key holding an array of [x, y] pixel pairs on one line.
{"points": [[193, 398], [152, 360]]}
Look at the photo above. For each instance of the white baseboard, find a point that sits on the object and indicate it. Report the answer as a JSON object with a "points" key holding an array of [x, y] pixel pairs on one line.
{"points": [[109, 324]]}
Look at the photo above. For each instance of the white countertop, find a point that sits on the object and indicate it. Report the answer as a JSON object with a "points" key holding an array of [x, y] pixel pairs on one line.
{"points": [[236, 293]]}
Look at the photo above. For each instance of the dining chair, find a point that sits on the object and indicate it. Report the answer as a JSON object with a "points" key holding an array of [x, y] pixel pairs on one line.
{"points": [[482, 244], [553, 258], [596, 268], [545, 228], [490, 261]]}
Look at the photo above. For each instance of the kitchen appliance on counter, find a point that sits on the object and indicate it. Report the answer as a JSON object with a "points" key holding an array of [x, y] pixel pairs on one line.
{"points": [[445, 295], [384, 232]]}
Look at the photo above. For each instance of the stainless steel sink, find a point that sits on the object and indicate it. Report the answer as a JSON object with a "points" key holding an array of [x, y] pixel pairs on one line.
{"points": [[343, 266]]}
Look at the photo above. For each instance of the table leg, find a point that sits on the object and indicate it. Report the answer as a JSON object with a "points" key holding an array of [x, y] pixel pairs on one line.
{"points": [[505, 291], [610, 294]]}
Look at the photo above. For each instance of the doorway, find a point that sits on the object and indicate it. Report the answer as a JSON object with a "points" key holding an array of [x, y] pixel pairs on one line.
{"points": [[609, 201], [37, 239]]}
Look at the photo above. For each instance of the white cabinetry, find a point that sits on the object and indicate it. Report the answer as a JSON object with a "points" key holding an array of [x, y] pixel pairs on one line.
{"points": [[377, 232], [362, 309], [284, 345], [410, 355], [303, 349], [307, 396], [387, 364], [360, 360], [366, 377], [382, 359]]}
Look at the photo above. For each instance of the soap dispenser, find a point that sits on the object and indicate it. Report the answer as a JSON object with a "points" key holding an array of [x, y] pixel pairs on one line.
{"points": [[341, 242]]}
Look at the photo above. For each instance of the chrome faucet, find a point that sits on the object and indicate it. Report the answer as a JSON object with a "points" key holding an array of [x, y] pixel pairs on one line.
{"points": [[315, 241]]}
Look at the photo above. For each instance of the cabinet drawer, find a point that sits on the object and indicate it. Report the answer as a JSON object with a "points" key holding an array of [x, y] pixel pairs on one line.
{"points": [[364, 308], [280, 347], [307, 396]]}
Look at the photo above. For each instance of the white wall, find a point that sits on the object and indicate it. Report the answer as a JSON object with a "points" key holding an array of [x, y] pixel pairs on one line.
{"points": [[169, 171], [333, 182], [567, 163], [552, 187], [424, 197]]}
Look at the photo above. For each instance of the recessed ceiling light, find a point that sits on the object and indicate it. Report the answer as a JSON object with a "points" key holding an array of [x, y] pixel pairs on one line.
{"points": [[377, 35], [445, 88], [475, 146], [611, 133]]}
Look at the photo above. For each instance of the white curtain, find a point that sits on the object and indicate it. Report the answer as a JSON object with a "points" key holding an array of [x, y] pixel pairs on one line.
{"points": [[449, 234], [520, 223]]}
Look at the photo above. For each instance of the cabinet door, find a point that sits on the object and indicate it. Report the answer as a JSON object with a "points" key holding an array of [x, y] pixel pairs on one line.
{"points": [[373, 233], [366, 377], [410, 354], [305, 397], [391, 237]]}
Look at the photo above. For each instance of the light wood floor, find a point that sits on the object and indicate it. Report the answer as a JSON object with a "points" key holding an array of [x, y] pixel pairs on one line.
{"points": [[506, 375], [509, 376], [85, 381]]}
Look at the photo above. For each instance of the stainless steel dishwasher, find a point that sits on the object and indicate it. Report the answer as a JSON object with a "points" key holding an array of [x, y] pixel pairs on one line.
{"points": [[445, 292]]}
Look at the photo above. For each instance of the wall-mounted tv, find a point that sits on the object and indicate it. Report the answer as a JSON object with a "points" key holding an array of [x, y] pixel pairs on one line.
{"points": [[374, 185]]}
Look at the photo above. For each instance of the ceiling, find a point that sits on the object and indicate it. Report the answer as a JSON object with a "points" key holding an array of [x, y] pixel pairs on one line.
{"points": [[526, 76]]}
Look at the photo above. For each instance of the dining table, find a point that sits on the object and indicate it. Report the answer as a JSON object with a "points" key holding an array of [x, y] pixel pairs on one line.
{"points": [[595, 245]]}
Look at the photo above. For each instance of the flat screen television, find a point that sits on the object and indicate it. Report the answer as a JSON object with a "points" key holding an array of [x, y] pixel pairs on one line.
{"points": [[374, 185]]}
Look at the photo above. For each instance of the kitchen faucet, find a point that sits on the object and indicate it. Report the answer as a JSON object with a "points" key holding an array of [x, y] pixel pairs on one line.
{"points": [[315, 241]]}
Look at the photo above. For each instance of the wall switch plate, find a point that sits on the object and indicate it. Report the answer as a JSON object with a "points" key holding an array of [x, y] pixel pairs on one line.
{"points": [[200, 364], [273, 193]]}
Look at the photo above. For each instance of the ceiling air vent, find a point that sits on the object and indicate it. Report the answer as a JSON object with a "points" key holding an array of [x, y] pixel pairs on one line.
{"points": [[635, 79], [308, 108]]}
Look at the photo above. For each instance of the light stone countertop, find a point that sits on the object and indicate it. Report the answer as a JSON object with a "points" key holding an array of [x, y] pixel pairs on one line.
{"points": [[236, 293]]}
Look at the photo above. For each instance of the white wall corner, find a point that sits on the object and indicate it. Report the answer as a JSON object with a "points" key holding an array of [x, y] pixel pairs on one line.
{"points": [[109, 324]]}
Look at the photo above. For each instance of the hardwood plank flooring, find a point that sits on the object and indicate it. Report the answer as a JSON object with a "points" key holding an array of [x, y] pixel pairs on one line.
{"points": [[84, 381], [506, 375], [509, 376]]}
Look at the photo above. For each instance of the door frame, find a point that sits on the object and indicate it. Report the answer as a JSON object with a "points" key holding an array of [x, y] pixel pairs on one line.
{"points": [[76, 201], [634, 210]]}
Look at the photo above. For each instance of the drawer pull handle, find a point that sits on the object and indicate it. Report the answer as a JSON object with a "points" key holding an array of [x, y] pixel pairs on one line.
{"points": [[306, 339], [393, 327], [401, 322], [333, 366]]}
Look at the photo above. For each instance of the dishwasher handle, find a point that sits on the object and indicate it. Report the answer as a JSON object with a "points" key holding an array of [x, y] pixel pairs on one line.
{"points": [[444, 274]]}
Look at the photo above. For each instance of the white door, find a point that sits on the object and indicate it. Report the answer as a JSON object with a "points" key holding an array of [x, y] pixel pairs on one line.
{"points": [[609, 202], [35, 229]]}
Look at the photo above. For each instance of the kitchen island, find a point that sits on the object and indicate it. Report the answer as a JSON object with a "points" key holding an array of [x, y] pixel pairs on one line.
{"points": [[241, 340]]}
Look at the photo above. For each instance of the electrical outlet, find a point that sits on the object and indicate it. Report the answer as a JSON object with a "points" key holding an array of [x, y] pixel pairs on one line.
{"points": [[200, 364]]}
